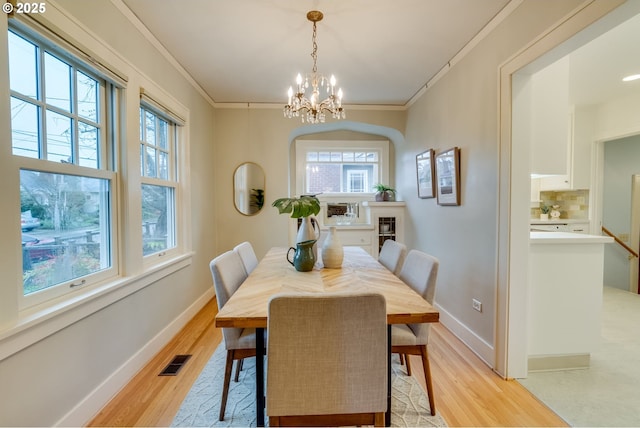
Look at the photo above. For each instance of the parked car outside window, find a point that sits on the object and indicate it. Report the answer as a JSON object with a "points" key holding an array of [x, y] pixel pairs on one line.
{"points": [[28, 222]]}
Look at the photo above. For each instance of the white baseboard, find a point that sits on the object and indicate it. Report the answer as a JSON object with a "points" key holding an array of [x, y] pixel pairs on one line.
{"points": [[478, 346], [85, 410]]}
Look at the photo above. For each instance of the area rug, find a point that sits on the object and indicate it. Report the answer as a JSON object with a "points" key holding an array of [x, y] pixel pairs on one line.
{"points": [[409, 404]]}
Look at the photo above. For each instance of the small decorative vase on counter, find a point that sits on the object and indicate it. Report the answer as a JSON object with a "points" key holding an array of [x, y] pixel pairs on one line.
{"points": [[332, 252], [544, 216]]}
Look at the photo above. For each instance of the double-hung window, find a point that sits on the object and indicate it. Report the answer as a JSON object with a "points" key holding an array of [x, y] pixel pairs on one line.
{"points": [[158, 162], [62, 140]]}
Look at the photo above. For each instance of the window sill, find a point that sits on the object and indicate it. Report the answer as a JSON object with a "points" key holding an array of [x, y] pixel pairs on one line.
{"points": [[35, 324]]}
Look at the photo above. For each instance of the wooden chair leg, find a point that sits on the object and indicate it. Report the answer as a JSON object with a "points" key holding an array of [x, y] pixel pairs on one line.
{"points": [[274, 421], [427, 378], [379, 420], [406, 358], [238, 369], [401, 359], [227, 380]]}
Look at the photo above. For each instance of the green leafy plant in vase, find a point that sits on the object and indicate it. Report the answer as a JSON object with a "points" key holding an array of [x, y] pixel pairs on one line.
{"points": [[544, 212], [303, 207]]}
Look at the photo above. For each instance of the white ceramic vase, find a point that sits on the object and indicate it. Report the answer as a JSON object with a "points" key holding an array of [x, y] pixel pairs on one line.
{"points": [[332, 252]]}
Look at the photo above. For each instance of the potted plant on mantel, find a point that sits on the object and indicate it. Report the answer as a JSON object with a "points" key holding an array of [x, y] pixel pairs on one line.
{"points": [[384, 193]]}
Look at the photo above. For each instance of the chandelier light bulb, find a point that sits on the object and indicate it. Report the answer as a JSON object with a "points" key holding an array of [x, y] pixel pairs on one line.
{"points": [[313, 109]]}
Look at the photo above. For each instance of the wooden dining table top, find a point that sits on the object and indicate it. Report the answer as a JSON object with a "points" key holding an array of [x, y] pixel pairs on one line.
{"points": [[360, 272]]}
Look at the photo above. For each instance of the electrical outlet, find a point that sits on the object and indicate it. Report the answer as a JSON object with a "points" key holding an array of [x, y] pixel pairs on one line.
{"points": [[624, 237], [477, 305]]}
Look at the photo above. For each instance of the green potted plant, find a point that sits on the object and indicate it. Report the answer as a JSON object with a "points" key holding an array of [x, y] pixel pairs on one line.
{"points": [[304, 206], [257, 198], [384, 192], [544, 212]]}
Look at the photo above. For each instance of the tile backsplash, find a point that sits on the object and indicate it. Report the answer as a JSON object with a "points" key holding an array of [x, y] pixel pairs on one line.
{"points": [[574, 204]]}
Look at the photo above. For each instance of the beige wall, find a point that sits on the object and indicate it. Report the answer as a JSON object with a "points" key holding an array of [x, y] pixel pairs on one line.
{"points": [[461, 109], [263, 136], [66, 377]]}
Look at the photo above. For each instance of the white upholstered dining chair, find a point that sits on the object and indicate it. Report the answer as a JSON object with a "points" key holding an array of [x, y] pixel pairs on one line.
{"points": [[419, 271], [327, 359], [228, 274], [248, 256], [392, 255]]}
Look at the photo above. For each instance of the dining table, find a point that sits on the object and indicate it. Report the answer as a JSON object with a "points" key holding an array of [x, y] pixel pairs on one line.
{"points": [[360, 272]]}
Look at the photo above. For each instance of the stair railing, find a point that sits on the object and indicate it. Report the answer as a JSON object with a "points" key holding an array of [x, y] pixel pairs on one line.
{"points": [[625, 246]]}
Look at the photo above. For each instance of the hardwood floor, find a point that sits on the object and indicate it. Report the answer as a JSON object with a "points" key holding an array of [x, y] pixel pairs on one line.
{"points": [[467, 392]]}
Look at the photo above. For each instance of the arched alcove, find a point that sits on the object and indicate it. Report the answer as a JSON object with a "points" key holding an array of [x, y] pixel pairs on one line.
{"points": [[394, 136]]}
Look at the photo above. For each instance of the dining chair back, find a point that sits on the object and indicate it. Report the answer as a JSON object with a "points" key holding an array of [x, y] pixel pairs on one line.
{"points": [[248, 256], [327, 359], [420, 272], [392, 255], [228, 274]]}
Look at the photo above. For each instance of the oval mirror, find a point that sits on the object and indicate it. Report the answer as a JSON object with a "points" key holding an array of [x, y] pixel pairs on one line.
{"points": [[248, 188]]}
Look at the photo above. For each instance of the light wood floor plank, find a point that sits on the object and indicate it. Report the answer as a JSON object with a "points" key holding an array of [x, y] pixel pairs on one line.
{"points": [[467, 392]]}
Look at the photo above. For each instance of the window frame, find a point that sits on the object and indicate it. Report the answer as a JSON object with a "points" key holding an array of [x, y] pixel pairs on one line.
{"points": [[26, 326], [176, 136], [303, 147], [106, 118]]}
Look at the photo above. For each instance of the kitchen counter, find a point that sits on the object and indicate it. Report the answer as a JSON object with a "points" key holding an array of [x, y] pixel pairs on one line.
{"points": [[558, 221], [567, 238], [564, 299]]}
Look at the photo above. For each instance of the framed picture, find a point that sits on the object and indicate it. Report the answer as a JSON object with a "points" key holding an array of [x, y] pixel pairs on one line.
{"points": [[448, 177], [424, 171]]}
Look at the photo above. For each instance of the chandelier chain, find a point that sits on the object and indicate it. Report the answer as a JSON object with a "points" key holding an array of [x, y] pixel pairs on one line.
{"points": [[314, 53]]}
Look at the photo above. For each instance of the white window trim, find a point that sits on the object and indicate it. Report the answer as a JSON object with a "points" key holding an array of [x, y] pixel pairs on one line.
{"points": [[104, 169], [304, 146], [157, 101], [20, 328]]}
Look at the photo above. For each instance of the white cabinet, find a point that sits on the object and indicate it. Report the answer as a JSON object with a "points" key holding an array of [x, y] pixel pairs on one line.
{"points": [[561, 134], [357, 236], [555, 182], [550, 119], [582, 138], [579, 227], [387, 219]]}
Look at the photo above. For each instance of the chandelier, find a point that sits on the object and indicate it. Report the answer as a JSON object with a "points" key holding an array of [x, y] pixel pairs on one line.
{"points": [[311, 109]]}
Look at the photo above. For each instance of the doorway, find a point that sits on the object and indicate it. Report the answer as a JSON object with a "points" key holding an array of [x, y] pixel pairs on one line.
{"points": [[621, 210], [516, 147]]}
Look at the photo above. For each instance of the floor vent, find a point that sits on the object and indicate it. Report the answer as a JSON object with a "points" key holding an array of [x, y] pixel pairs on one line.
{"points": [[175, 365]]}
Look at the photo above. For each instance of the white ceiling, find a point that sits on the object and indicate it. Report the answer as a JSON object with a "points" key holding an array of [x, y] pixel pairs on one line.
{"points": [[382, 52], [597, 68]]}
